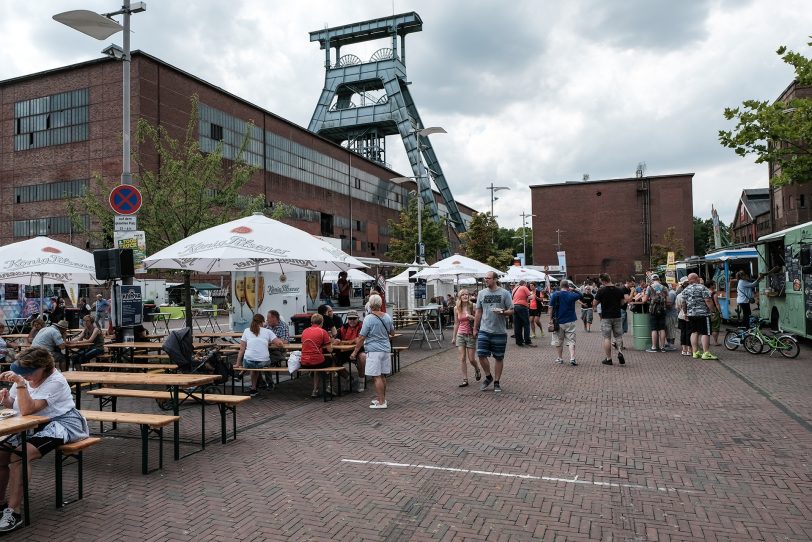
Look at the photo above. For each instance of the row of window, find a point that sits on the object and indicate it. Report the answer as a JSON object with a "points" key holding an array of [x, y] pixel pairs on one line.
{"points": [[46, 226], [50, 191], [51, 120]]}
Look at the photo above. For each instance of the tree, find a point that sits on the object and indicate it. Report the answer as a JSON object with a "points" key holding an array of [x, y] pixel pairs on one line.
{"points": [[670, 243], [777, 133], [403, 235], [189, 192], [481, 242]]}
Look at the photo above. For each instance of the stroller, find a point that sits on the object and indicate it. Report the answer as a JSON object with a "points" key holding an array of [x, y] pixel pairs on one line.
{"points": [[178, 345]]}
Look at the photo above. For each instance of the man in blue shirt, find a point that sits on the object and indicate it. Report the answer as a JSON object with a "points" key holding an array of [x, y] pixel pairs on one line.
{"points": [[562, 307]]}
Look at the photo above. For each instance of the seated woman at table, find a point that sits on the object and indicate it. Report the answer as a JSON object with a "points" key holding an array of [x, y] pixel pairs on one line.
{"points": [[315, 341], [254, 345], [91, 338], [330, 322], [38, 388], [348, 334], [36, 325]]}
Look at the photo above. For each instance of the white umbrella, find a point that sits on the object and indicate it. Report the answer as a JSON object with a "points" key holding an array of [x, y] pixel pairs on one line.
{"points": [[353, 275], [457, 266], [44, 260], [516, 273], [253, 242]]}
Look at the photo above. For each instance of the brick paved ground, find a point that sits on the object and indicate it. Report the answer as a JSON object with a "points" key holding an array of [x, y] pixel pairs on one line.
{"points": [[665, 448]]}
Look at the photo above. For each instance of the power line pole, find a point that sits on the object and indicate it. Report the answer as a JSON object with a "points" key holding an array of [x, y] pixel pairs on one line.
{"points": [[558, 239]]}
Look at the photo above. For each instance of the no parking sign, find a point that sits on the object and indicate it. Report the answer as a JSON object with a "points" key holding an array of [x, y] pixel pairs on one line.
{"points": [[125, 199]]}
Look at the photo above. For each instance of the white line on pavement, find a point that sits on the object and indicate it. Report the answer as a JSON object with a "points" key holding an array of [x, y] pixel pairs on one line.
{"points": [[510, 475]]}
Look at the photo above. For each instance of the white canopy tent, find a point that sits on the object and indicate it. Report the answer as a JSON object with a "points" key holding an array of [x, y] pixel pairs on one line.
{"points": [[353, 275], [516, 273]]}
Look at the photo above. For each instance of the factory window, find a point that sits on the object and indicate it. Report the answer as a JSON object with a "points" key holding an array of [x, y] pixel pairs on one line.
{"points": [[46, 226], [50, 191], [216, 132], [51, 120]]}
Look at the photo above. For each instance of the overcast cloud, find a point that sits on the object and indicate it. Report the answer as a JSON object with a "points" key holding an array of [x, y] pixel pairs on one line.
{"points": [[530, 92]]}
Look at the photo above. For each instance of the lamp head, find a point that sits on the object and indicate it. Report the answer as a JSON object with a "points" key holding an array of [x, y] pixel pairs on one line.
{"points": [[115, 51]]}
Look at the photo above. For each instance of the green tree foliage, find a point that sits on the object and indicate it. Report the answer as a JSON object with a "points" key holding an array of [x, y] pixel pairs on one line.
{"points": [[403, 235], [703, 236], [189, 192], [778, 133], [670, 243], [482, 242]]}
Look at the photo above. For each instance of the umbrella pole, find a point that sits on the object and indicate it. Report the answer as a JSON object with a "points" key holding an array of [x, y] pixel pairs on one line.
{"points": [[257, 297], [41, 295]]}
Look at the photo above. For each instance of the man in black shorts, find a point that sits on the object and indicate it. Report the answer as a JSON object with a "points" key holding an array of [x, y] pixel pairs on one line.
{"points": [[611, 299], [699, 307]]}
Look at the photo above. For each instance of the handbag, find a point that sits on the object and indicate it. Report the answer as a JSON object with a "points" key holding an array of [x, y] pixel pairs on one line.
{"points": [[294, 361], [553, 325]]}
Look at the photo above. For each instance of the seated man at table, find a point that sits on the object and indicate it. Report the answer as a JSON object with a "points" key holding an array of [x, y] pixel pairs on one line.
{"points": [[331, 322], [348, 334], [280, 329], [52, 339], [315, 341]]}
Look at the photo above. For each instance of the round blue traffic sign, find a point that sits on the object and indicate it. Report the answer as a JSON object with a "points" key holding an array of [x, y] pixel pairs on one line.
{"points": [[125, 199]]}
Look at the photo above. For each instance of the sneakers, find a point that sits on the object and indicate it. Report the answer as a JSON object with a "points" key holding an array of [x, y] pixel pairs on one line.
{"points": [[486, 383], [532, 335], [376, 404], [559, 361], [652, 349], [697, 355], [253, 393], [477, 374], [620, 358], [573, 363], [464, 384], [497, 388], [607, 361], [361, 386], [530, 345], [708, 355], [10, 521]]}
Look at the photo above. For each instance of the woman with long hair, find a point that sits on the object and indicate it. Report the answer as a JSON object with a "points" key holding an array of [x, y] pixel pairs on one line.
{"points": [[92, 338], [463, 335], [254, 353]]}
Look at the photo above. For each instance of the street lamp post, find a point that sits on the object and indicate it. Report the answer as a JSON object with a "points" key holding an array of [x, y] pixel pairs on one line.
{"points": [[525, 216], [493, 189], [420, 256], [101, 27]]}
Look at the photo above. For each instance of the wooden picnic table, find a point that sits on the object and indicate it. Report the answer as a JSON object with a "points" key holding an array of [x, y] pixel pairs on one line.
{"points": [[173, 381], [20, 425]]}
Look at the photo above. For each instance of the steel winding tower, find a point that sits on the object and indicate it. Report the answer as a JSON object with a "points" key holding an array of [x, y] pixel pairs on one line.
{"points": [[363, 102]]}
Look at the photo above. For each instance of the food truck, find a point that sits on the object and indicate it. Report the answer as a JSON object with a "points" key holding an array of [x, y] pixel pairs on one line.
{"points": [[786, 298], [723, 266]]}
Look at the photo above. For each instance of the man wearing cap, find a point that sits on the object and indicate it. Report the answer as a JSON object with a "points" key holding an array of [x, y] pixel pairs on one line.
{"points": [[348, 334], [52, 339], [562, 307], [657, 320]]}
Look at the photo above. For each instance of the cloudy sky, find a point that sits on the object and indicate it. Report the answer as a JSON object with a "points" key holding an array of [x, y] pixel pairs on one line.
{"points": [[530, 92]]}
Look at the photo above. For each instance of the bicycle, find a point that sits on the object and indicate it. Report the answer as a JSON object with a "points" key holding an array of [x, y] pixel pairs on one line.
{"points": [[743, 336], [784, 343]]}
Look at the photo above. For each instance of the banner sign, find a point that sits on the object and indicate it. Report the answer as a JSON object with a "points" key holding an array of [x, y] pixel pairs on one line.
{"points": [[562, 260], [129, 305], [135, 240]]}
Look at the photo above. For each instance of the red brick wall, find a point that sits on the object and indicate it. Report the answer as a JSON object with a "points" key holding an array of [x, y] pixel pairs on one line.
{"points": [[602, 222]]}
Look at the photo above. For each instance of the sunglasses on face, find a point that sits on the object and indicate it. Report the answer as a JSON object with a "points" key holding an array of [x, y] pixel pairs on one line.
{"points": [[352, 318]]}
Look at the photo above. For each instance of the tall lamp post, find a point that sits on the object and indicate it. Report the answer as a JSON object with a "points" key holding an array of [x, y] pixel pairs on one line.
{"points": [[420, 256], [101, 27], [525, 216], [493, 189]]}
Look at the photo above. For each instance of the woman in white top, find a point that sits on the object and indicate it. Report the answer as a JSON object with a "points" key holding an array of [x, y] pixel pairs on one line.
{"points": [[463, 336], [254, 353], [37, 388]]}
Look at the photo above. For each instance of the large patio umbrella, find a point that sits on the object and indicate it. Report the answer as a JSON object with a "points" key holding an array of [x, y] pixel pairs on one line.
{"points": [[456, 267], [42, 260], [253, 242], [516, 273]]}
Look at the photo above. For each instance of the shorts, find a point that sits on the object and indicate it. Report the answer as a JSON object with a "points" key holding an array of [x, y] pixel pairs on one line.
{"points": [[700, 324], [657, 322], [612, 327], [252, 364], [467, 341], [534, 312], [491, 344], [44, 444], [716, 322], [586, 315], [378, 363], [565, 335]]}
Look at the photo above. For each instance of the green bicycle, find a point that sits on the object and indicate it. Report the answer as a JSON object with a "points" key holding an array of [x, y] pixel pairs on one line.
{"points": [[758, 342]]}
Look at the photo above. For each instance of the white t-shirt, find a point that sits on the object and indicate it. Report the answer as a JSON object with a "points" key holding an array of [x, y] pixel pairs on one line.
{"points": [[54, 389], [256, 348]]}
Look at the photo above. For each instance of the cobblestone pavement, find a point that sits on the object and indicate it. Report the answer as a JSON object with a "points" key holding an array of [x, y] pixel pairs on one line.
{"points": [[663, 448]]}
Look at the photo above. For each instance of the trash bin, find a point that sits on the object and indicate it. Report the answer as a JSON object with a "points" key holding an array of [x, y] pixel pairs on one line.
{"points": [[300, 322], [149, 308], [641, 327]]}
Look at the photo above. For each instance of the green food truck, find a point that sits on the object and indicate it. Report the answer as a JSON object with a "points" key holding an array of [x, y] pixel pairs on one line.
{"points": [[786, 297]]}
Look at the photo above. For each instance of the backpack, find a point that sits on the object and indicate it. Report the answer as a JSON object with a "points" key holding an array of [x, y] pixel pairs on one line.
{"points": [[657, 302]]}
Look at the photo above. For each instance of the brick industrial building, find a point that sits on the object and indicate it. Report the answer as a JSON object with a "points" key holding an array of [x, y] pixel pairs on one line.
{"points": [[610, 225], [60, 127]]}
